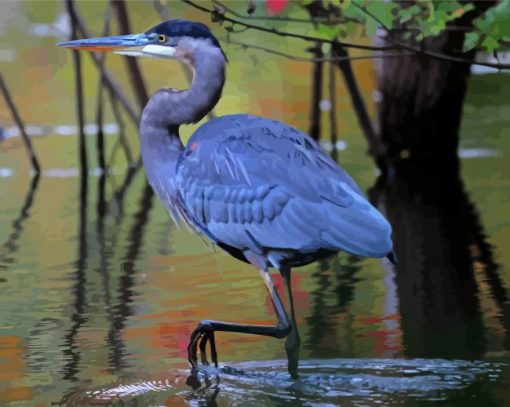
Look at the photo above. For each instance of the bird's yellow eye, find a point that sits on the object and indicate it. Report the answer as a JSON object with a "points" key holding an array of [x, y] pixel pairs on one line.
{"points": [[161, 38]]}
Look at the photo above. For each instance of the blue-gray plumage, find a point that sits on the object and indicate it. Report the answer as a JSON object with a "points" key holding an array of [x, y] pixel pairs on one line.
{"points": [[258, 188], [256, 184]]}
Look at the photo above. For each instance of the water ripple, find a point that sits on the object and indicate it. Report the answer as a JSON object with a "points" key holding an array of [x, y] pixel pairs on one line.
{"points": [[322, 382]]}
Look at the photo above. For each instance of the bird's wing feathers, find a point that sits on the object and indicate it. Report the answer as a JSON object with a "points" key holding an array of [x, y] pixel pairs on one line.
{"points": [[254, 183]]}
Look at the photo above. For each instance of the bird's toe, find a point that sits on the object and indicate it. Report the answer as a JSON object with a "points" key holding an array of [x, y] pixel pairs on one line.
{"points": [[198, 340], [214, 354], [192, 350], [203, 351]]}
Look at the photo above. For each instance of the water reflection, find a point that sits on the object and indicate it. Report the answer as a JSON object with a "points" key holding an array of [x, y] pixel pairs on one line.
{"points": [[126, 282], [11, 245], [71, 349], [120, 192], [116, 309], [445, 277], [444, 264], [335, 279], [442, 250]]}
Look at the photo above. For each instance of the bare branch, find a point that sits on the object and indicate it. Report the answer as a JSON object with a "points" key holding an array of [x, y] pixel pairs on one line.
{"points": [[122, 129], [445, 57], [392, 45], [330, 19], [79, 98], [423, 51], [332, 110], [161, 10], [376, 148], [109, 82], [100, 124], [19, 122], [132, 64], [100, 101], [314, 20], [345, 67], [315, 112], [280, 33], [315, 59]]}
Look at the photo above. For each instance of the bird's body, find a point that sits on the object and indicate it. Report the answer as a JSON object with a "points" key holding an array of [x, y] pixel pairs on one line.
{"points": [[255, 184], [258, 188]]}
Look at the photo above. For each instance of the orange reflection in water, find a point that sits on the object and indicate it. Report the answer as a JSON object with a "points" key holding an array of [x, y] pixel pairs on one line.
{"points": [[13, 367]]}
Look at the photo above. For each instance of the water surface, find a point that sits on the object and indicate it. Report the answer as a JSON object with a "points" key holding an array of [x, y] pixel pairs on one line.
{"points": [[99, 292]]}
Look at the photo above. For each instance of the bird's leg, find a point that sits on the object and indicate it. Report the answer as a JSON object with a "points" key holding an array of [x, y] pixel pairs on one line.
{"points": [[207, 328], [208, 336], [293, 341], [202, 345]]}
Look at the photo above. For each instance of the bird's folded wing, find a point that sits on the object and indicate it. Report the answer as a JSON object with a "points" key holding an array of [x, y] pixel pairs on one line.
{"points": [[266, 185]]}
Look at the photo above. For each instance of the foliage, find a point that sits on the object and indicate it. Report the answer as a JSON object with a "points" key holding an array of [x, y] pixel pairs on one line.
{"points": [[492, 30], [419, 20]]}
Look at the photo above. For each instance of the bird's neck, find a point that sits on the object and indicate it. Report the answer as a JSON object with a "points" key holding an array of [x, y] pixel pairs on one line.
{"points": [[170, 107], [161, 146], [161, 149], [205, 90]]}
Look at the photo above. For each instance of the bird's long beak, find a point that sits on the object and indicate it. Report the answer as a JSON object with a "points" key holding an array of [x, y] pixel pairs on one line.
{"points": [[108, 44], [135, 45]]}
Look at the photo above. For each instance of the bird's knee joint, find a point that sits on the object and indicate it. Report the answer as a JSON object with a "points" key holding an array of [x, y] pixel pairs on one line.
{"points": [[292, 342], [282, 330], [205, 326]]}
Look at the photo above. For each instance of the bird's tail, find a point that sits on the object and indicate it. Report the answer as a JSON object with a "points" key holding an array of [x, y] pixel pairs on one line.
{"points": [[392, 257]]}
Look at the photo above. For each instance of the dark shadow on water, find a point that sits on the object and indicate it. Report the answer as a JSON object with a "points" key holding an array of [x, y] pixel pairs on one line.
{"points": [[443, 262], [11, 245]]}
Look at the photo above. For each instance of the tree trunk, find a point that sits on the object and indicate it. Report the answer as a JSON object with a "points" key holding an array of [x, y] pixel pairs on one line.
{"points": [[438, 238], [421, 99], [420, 108]]}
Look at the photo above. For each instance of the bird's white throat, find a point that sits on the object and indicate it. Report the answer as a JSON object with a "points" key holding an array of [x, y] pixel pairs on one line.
{"points": [[149, 51]]}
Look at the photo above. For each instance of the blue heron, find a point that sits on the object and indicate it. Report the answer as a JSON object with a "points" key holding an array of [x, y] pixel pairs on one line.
{"points": [[261, 190]]}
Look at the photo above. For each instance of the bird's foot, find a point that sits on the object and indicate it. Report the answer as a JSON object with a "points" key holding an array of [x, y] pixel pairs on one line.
{"points": [[199, 338]]}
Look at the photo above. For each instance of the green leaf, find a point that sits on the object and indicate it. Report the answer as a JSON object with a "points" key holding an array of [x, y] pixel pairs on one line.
{"points": [[490, 44], [408, 13], [471, 41], [383, 11], [408, 35], [437, 27], [344, 3], [493, 26], [329, 31], [371, 26]]}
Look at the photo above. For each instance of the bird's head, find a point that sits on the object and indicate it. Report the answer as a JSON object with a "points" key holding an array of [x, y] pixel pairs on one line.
{"points": [[173, 39]]}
